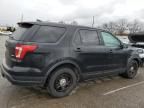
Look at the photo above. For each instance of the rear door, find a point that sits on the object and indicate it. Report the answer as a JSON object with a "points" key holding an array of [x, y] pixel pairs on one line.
{"points": [[89, 51]]}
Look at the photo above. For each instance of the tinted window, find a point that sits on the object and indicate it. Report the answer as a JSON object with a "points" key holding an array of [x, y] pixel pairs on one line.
{"points": [[110, 40], [48, 34], [89, 37], [20, 31]]}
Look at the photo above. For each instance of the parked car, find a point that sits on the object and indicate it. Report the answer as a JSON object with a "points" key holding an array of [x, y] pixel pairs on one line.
{"points": [[140, 52], [124, 39], [58, 56], [137, 40], [134, 44], [5, 33]]}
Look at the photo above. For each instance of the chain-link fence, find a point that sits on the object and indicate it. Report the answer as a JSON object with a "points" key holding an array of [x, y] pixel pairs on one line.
{"points": [[2, 46]]}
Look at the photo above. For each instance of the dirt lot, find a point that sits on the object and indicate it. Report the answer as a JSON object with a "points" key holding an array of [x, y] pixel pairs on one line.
{"points": [[114, 92]]}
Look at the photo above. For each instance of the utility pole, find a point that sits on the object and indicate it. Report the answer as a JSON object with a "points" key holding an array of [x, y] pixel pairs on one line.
{"points": [[93, 21], [22, 17]]}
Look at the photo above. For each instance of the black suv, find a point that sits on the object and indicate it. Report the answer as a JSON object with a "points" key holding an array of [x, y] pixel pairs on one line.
{"points": [[58, 56]]}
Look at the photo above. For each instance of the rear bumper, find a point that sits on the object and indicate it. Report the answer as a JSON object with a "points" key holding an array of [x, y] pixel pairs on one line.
{"points": [[22, 78]]}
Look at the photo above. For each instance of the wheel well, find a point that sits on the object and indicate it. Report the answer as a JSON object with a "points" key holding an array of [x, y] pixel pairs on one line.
{"points": [[72, 66], [137, 61]]}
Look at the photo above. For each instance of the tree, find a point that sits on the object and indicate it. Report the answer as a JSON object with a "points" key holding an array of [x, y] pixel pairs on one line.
{"points": [[109, 27], [74, 23], [135, 26], [121, 26], [61, 22]]}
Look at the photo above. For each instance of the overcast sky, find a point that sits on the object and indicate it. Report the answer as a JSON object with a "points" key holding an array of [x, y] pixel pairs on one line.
{"points": [[70, 10]]}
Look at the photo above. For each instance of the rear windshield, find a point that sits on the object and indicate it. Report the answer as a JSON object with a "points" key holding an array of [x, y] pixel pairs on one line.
{"points": [[48, 34], [20, 31]]}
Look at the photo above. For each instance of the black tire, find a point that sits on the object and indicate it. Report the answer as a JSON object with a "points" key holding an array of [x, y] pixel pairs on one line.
{"points": [[132, 69], [61, 82]]}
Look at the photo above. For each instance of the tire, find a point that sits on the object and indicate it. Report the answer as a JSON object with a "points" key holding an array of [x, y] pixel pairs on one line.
{"points": [[132, 69], [61, 82]]}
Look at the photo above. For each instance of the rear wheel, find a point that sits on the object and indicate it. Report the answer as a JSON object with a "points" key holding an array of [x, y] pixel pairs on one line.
{"points": [[132, 70], [62, 82]]}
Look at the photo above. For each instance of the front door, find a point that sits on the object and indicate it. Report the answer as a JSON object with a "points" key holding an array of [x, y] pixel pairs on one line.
{"points": [[117, 55]]}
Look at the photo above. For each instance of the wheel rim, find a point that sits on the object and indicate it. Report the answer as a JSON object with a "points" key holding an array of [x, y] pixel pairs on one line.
{"points": [[63, 82], [133, 69]]}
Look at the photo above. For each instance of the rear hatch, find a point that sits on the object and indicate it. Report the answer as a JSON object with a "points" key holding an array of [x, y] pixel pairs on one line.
{"points": [[32, 43], [20, 36]]}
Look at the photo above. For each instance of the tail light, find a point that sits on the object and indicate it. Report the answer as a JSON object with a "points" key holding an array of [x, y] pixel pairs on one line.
{"points": [[21, 50]]}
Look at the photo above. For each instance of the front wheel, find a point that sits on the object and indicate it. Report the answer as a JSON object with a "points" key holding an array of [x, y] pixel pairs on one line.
{"points": [[62, 82], [132, 70]]}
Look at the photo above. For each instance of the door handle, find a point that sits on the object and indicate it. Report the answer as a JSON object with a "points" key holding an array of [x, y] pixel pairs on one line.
{"points": [[78, 49], [110, 51]]}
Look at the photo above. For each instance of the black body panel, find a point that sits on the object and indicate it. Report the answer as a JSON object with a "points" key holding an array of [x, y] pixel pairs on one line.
{"points": [[90, 60]]}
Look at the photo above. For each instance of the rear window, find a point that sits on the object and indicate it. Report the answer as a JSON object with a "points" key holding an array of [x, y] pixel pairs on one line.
{"points": [[20, 31], [48, 34]]}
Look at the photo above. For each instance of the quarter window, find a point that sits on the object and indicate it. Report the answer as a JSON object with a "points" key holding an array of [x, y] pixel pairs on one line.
{"points": [[48, 34]]}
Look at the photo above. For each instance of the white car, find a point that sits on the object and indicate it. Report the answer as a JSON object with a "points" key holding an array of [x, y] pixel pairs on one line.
{"points": [[5, 33]]}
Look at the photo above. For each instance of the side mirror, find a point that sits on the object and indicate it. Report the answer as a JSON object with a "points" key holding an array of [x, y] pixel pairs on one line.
{"points": [[121, 46], [124, 45]]}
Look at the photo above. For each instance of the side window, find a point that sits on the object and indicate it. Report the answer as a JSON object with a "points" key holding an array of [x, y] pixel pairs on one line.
{"points": [[110, 40], [89, 37], [48, 34]]}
